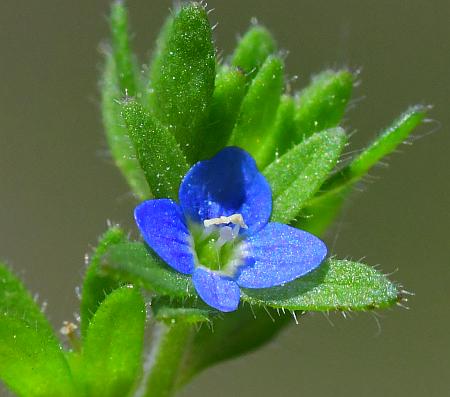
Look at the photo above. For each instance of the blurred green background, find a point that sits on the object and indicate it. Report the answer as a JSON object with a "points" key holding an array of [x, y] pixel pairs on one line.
{"points": [[58, 185]]}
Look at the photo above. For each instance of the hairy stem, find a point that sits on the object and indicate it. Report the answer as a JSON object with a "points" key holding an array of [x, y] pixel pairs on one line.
{"points": [[165, 359]]}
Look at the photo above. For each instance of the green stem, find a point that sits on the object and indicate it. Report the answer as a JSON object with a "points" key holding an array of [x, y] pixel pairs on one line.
{"points": [[165, 358]]}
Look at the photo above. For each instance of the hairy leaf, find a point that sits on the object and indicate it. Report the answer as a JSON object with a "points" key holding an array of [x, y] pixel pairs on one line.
{"points": [[299, 173], [31, 361], [382, 146], [321, 105], [321, 209], [317, 218], [253, 49], [182, 75], [126, 69], [335, 285], [119, 80], [96, 284], [281, 136], [16, 301], [190, 311], [135, 263], [160, 156], [259, 107], [231, 86], [112, 352]]}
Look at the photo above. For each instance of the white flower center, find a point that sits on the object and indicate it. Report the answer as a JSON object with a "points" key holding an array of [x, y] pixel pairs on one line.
{"points": [[217, 245], [235, 219]]}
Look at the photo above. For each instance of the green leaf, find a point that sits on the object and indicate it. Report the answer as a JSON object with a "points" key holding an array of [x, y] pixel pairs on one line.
{"points": [[126, 69], [321, 209], [297, 175], [182, 75], [112, 352], [32, 363], [322, 104], [119, 80], [231, 336], [317, 218], [335, 285], [191, 312], [259, 107], [231, 86], [253, 50], [382, 146], [135, 263], [16, 301], [119, 142], [167, 357], [280, 138], [96, 284], [159, 154]]}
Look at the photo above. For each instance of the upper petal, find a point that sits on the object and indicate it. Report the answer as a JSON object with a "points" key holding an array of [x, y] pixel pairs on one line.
{"points": [[279, 254], [163, 228], [218, 291], [227, 184]]}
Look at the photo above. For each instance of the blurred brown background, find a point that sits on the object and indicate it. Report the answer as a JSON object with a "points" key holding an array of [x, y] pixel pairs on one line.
{"points": [[58, 186]]}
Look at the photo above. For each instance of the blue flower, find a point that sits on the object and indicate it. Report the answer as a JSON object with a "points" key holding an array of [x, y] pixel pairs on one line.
{"points": [[220, 231]]}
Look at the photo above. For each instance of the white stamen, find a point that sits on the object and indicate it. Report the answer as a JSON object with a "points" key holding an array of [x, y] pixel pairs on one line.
{"points": [[68, 328], [235, 219], [235, 231], [226, 234]]}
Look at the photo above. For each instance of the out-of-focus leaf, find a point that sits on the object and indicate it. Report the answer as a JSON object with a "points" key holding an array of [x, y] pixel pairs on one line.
{"points": [[126, 69], [382, 146], [112, 351], [182, 75], [31, 361], [119, 80], [322, 104], [321, 209], [318, 217], [168, 357], [160, 156], [259, 107], [299, 173], [135, 263], [253, 49], [231, 86], [230, 336], [96, 284], [335, 285]]}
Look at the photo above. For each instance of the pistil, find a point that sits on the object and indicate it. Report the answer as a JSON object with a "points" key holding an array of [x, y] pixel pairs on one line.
{"points": [[217, 244]]}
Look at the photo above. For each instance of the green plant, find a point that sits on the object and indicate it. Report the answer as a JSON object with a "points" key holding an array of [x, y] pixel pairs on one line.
{"points": [[186, 109]]}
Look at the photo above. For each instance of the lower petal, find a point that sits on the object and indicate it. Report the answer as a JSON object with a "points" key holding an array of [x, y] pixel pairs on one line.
{"points": [[279, 254], [163, 228], [216, 290]]}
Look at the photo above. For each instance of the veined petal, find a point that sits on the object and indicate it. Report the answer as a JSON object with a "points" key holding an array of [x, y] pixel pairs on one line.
{"points": [[218, 291], [279, 254], [227, 184], [163, 228]]}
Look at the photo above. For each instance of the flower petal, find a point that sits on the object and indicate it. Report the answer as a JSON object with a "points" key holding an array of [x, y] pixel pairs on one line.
{"points": [[163, 228], [228, 184], [216, 290], [279, 254]]}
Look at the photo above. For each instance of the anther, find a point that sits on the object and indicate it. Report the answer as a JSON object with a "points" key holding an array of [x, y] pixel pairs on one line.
{"points": [[235, 219]]}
